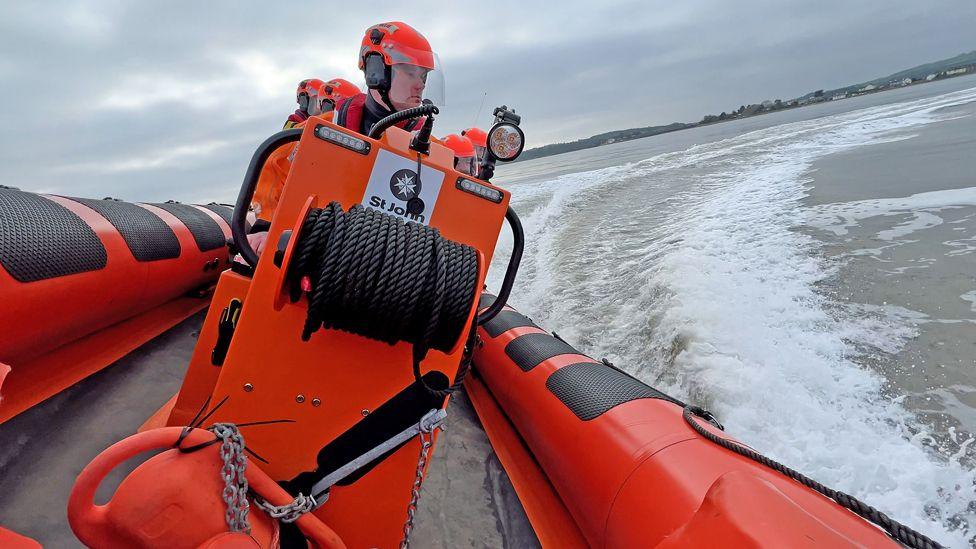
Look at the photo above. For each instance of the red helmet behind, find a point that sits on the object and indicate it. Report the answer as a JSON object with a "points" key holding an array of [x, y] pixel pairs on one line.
{"points": [[310, 87], [339, 88], [477, 136], [461, 145]]}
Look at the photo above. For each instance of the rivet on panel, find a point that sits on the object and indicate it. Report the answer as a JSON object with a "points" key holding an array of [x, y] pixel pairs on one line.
{"points": [[316, 402], [248, 387], [300, 399]]}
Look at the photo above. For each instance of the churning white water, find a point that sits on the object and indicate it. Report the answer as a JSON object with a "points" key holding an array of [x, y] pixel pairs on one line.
{"points": [[687, 269]]}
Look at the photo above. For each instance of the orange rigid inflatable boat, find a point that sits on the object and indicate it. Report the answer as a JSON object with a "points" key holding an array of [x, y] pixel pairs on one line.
{"points": [[83, 282], [326, 367]]}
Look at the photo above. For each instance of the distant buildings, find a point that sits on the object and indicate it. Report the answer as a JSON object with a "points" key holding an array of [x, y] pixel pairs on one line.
{"points": [[820, 96]]}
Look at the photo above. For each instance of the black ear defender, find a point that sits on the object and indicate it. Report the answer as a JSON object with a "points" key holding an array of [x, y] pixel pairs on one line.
{"points": [[378, 74], [303, 102]]}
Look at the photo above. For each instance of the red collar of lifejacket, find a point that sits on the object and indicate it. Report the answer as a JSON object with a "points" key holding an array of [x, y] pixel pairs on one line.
{"points": [[349, 114], [298, 116]]}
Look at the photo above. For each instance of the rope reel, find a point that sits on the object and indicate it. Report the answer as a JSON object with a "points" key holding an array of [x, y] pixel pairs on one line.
{"points": [[378, 276]]}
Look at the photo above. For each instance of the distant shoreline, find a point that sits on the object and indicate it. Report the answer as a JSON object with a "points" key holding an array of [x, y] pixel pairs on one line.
{"points": [[892, 82]]}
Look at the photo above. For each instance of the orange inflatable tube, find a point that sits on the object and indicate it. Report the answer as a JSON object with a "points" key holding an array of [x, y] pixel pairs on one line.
{"points": [[630, 470], [83, 282]]}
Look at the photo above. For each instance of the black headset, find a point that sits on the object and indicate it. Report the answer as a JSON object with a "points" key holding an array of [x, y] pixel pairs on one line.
{"points": [[303, 101], [378, 74]]}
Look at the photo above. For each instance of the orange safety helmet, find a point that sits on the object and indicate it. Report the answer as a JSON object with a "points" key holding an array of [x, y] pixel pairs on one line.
{"points": [[477, 136], [465, 160], [340, 88], [336, 90], [462, 146], [387, 45], [396, 42], [308, 89]]}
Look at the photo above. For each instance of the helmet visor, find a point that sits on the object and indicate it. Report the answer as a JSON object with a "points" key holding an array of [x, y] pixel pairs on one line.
{"points": [[479, 152], [314, 105], [465, 164], [435, 88], [409, 79]]}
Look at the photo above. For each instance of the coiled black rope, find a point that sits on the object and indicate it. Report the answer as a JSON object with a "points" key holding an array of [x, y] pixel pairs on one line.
{"points": [[901, 533], [375, 275]]}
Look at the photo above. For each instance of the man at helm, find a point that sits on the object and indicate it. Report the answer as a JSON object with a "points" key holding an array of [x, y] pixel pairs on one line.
{"points": [[401, 70], [309, 102]]}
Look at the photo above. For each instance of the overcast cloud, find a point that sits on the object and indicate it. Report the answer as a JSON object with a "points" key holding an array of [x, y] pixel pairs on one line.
{"points": [[152, 101]]}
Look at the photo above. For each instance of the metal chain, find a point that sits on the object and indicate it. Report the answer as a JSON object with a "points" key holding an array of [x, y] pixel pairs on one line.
{"points": [[289, 512], [425, 444], [233, 473], [235, 484]]}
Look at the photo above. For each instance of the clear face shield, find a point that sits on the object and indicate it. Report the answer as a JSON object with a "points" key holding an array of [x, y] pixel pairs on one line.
{"points": [[412, 84], [435, 88], [466, 164], [479, 152], [314, 105]]}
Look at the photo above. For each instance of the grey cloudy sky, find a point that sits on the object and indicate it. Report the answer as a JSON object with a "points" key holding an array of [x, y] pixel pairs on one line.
{"points": [[151, 101]]}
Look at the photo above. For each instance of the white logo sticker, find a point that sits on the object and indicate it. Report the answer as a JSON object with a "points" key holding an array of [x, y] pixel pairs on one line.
{"points": [[395, 188]]}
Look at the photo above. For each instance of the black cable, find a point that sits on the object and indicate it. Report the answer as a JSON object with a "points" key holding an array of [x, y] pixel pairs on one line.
{"points": [[375, 275], [422, 110], [901, 533]]}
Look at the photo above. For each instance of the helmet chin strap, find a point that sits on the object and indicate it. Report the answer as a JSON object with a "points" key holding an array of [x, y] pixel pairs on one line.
{"points": [[385, 96]]}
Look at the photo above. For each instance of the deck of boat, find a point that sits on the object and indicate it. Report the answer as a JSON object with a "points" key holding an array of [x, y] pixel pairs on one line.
{"points": [[467, 500]]}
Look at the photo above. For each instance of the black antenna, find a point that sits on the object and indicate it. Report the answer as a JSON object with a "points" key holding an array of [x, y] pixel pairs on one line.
{"points": [[483, 97]]}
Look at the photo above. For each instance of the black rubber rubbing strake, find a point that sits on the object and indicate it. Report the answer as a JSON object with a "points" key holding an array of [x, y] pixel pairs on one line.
{"points": [[505, 321], [206, 232], [225, 212], [529, 350], [589, 389], [41, 239], [903, 534], [149, 238]]}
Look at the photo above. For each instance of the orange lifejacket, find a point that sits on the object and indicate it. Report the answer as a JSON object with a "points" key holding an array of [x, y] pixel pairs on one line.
{"points": [[272, 180]]}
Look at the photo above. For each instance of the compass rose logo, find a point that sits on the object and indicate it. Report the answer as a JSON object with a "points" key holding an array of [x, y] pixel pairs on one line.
{"points": [[405, 184]]}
